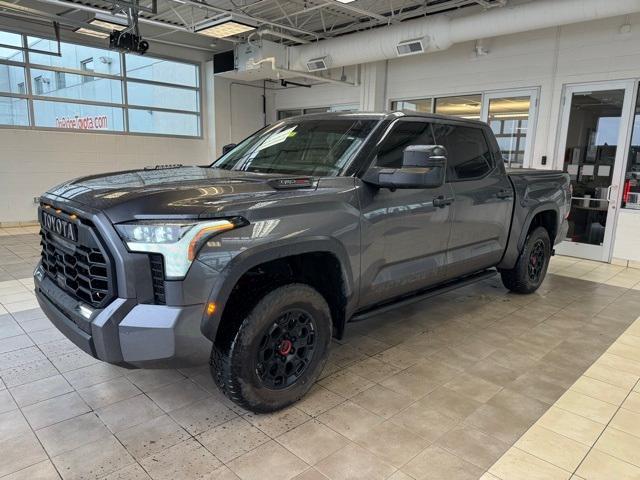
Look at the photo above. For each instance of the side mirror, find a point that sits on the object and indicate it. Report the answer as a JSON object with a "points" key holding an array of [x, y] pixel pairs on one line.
{"points": [[423, 166], [228, 147]]}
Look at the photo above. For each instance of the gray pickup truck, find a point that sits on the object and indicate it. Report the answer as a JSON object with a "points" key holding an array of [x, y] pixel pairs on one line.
{"points": [[256, 261]]}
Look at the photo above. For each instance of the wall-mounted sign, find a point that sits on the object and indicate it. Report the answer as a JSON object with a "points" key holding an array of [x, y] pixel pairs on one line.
{"points": [[98, 122]]}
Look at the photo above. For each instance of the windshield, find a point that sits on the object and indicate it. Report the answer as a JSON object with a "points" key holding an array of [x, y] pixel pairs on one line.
{"points": [[315, 147]]}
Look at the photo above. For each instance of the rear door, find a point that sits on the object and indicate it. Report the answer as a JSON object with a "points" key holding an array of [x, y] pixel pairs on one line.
{"points": [[404, 236], [483, 198]]}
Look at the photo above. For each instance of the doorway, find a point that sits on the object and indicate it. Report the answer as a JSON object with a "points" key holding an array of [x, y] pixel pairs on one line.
{"points": [[592, 150]]}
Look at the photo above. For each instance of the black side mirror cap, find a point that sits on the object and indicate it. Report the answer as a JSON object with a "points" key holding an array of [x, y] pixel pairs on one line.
{"points": [[423, 166]]}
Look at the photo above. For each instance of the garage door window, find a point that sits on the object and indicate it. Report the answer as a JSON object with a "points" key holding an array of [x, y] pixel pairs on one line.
{"points": [[77, 87]]}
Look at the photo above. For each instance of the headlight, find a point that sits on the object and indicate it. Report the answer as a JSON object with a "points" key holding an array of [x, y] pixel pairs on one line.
{"points": [[177, 241]]}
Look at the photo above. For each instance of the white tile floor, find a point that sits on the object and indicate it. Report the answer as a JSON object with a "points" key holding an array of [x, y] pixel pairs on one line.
{"points": [[593, 431]]}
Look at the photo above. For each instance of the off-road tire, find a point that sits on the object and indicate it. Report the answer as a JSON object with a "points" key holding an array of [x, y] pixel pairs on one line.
{"points": [[233, 366], [518, 279]]}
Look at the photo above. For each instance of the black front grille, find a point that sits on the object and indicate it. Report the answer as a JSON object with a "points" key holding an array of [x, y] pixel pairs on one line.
{"points": [[157, 277], [82, 269]]}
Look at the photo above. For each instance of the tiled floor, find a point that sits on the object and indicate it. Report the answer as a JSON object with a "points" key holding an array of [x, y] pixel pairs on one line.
{"points": [[438, 390], [592, 432]]}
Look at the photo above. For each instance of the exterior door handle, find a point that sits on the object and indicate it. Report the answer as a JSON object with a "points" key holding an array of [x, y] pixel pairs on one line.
{"points": [[504, 194], [441, 201]]}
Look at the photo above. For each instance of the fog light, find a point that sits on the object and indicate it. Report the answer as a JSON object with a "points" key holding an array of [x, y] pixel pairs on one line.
{"points": [[85, 311], [39, 273]]}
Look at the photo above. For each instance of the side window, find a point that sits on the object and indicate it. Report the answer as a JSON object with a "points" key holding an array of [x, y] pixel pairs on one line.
{"points": [[468, 155], [403, 134]]}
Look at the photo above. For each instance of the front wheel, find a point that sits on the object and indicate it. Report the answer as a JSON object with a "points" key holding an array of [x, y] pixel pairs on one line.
{"points": [[278, 351], [531, 267]]}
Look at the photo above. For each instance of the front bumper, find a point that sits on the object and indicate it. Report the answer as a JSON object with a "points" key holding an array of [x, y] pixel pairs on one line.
{"points": [[126, 332]]}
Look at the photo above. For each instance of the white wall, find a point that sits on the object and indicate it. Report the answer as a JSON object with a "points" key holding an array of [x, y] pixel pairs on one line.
{"points": [[238, 111], [627, 243], [31, 160]]}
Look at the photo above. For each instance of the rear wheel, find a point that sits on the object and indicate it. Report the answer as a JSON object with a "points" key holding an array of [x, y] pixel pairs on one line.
{"points": [[531, 268], [278, 351]]}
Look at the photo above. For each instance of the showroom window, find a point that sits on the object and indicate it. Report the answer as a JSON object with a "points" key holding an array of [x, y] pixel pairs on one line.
{"points": [[294, 112], [422, 105], [68, 86], [631, 191], [466, 106], [510, 114]]}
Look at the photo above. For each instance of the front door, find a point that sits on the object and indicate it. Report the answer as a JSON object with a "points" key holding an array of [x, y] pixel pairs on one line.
{"points": [[593, 144], [404, 236]]}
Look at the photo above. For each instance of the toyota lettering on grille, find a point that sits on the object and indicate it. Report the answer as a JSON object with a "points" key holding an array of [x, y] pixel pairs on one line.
{"points": [[59, 226]]}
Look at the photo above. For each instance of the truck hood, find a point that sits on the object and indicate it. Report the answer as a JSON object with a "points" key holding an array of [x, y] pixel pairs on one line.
{"points": [[169, 192]]}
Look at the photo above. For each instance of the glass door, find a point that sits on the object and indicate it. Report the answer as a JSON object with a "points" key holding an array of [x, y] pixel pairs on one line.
{"points": [[511, 115], [593, 144]]}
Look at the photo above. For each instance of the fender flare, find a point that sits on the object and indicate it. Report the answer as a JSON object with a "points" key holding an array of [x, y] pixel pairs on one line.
{"points": [[544, 207], [260, 254], [516, 242]]}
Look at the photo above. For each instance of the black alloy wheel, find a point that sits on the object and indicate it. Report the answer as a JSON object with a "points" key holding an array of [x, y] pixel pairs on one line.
{"points": [[286, 350], [537, 259], [529, 271], [278, 351]]}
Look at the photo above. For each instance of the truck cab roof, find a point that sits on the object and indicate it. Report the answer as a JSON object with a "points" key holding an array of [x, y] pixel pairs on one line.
{"points": [[389, 115]]}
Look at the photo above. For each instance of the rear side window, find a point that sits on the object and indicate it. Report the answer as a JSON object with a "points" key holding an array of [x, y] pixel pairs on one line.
{"points": [[468, 154], [402, 135]]}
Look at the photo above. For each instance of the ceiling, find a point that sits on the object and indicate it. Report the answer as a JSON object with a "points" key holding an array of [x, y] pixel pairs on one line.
{"points": [[288, 21]]}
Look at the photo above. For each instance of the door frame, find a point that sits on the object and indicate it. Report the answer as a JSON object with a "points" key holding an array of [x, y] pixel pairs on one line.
{"points": [[602, 252], [532, 121]]}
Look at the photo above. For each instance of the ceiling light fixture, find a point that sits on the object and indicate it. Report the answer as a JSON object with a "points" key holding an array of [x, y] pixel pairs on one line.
{"points": [[108, 22], [227, 26]]}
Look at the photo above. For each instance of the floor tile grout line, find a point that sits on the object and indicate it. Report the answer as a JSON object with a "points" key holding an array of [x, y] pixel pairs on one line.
{"points": [[604, 430], [591, 447], [33, 432]]}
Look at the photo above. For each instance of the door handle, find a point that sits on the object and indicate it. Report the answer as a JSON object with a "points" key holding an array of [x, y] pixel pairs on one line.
{"points": [[441, 201], [610, 190], [504, 194]]}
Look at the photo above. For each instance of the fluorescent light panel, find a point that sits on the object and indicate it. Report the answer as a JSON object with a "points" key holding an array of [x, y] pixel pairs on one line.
{"points": [[108, 22], [225, 27]]}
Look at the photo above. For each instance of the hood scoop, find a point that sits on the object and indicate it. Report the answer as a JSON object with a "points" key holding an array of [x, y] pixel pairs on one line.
{"points": [[164, 167], [290, 183]]}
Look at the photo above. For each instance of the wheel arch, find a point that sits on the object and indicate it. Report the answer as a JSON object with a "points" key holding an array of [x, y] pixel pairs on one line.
{"points": [[542, 217], [326, 256], [544, 214]]}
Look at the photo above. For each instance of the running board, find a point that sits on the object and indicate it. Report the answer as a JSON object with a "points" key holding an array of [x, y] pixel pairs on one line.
{"points": [[423, 294]]}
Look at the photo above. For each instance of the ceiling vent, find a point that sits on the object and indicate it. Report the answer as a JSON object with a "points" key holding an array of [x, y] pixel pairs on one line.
{"points": [[410, 47], [317, 64]]}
